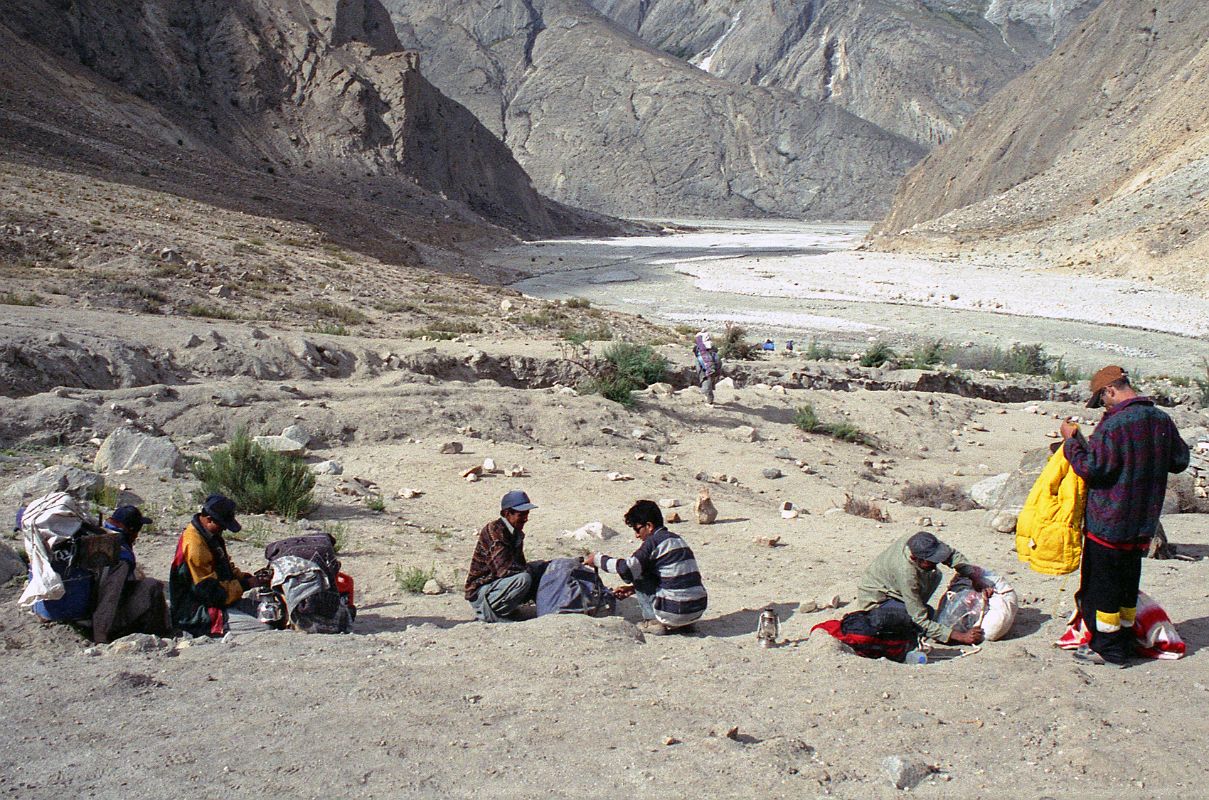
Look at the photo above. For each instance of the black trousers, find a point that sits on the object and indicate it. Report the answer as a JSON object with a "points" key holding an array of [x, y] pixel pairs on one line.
{"points": [[1108, 598]]}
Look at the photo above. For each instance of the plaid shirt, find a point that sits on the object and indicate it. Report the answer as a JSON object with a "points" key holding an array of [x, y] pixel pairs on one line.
{"points": [[1125, 463], [499, 553]]}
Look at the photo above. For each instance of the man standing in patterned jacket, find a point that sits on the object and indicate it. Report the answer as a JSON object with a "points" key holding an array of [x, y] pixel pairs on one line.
{"points": [[663, 572], [1125, 463]]}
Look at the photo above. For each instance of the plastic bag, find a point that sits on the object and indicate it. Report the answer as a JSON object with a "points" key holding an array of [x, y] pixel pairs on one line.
{"points": [[962, 606]]}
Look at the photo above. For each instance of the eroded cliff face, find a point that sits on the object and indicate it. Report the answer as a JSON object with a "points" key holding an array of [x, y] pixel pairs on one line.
{"points": [[317, 100], [602, 120], [1097, 159], [917, 68]]}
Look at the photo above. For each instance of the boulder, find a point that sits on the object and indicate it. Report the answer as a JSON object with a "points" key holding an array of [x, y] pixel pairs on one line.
{"points": [[327, 468], [660, 389], [78, 482], [1003, 522], [11, 565], [772, 473], [706, 511], [593, 531], [280, 444], [742, 433], [986, 492], [298, 434], [127, 448]]}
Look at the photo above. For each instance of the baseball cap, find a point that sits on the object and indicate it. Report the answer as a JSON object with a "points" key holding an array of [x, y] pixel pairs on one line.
{"points": [[130, 518], [221, 509], [927, 547], [1101, 380], [515, 500]]}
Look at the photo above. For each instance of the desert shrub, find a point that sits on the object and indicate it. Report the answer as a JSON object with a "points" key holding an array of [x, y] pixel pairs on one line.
{"points": [[14, 299], [628, 367], [685, 330], [334, 311], [935, 494], [209, 312], [734, 344], [258, 480], [256, 533], [818, 352], [412, 579], [1202, 385], [546, 318], [328, 329], [807, 420], [577, 302], [863, 508], [442, 329], [877, 354], [926, 355], [339, 533], [375, 503], [1019, 359], [594, 333], [1062, 373]]}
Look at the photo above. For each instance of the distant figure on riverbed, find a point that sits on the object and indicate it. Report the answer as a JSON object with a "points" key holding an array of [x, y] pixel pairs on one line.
{"points": [[709, 364]]}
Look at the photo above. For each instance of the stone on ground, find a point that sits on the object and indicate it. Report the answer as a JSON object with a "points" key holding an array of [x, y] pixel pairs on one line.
{"points": [[706, 511], [59, 478], [11, 565], [281, 444], [451, 448], [127, 448], [593, 531], [986, 492], [905, 771]]}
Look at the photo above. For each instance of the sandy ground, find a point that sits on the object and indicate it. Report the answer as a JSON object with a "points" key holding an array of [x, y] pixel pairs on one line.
{"points": [[423, 702], [786, 280]]}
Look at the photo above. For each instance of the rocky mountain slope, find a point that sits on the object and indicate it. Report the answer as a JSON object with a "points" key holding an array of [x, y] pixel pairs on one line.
{"points": [[303, 111], [1097, 159], [918, 69], [605, 121]]}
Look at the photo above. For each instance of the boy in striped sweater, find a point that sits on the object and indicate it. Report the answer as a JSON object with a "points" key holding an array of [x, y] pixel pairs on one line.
{"points": [[663, 572]]}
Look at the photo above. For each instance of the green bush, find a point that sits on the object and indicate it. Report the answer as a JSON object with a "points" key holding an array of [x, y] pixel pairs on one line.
{"points": [[934, 494], [595, 333], [1203, 385], [877, 354], [258, 480], [1060, 372], [735, 346], [926, 355], [818, 352], [1019, 359], [627, 368]]}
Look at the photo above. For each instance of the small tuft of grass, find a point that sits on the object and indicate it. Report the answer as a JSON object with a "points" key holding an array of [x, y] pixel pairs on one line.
{"points": [[807, 420], [934, 494], [375, 503], [328, 328], [257, 533], [596, 333], [577, 302], [14, 299], [815, 351], [412, 579], [209, 312], [339, 533], [864, 508], [334, 311], [1061, 373]]}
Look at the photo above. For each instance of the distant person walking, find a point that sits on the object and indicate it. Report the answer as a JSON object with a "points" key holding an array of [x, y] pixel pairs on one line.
{"points": [[709, 364], [1125, 463]]}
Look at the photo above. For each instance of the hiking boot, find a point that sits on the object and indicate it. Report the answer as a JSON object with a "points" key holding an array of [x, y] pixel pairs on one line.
{"points": [[653, 627], [1085, 655]]}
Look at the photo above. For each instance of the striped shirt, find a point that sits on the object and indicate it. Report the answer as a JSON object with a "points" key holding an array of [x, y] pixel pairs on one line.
{"points": [[666, 560]]}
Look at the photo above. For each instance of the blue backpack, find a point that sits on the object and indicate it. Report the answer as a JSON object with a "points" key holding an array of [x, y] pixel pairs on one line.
{"points": [[568, 587]]}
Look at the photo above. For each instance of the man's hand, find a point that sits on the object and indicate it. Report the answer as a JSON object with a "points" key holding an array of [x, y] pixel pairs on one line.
{"points": [[622, 592], [590, 560], [988, 592], [1067, 429], [972, 636]]}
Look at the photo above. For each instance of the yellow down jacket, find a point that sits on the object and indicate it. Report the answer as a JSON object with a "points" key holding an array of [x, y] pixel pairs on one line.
{"points": [[1049, 530]]}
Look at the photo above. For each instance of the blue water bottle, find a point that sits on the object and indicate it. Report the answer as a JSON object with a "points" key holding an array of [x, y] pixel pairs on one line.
{"points": [[916, 657]]}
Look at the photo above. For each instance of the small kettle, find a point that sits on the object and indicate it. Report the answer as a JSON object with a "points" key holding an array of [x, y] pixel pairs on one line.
{"points": [[769, 628]]}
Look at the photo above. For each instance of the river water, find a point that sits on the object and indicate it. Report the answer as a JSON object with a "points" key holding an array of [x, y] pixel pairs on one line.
{"points": [[787, 280]]}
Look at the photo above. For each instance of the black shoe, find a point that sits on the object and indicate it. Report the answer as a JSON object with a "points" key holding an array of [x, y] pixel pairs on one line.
{"points": [[1085, 655]]}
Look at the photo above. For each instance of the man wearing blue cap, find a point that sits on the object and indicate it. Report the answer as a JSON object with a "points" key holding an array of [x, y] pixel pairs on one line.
{"points": [[205, 587], [500, 580], [127, 600]]}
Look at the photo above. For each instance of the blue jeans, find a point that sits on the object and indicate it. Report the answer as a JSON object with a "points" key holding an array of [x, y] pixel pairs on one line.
{"points": [[644, 593], [502, 596]]}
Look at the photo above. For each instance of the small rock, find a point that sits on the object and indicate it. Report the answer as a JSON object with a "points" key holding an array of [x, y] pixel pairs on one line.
{"points": [[948, 507], [472, 477], [593, 531], [671, 740], [619, 476], [489, 466], [783, 454], [506, 306], [407, 494], [138, 643], [222, 290], [281, 444], [639, 433], [923, 522], [476, 471], [668, 502], [1004, 522], [725, 383], [433, 586], [171, 255], [516, 471], [905, 771], [298, 434], [328, 468], [790, 513], [706, 511], [230, 398], [451, 448], [257, 333], [772, 473], [720, 477], [808, 606], [673, 516], [660, 389], [767, 541]]}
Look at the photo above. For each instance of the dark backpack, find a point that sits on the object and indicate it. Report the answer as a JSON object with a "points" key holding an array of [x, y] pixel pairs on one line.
{"points": [[568, 587], [304, 575]]}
